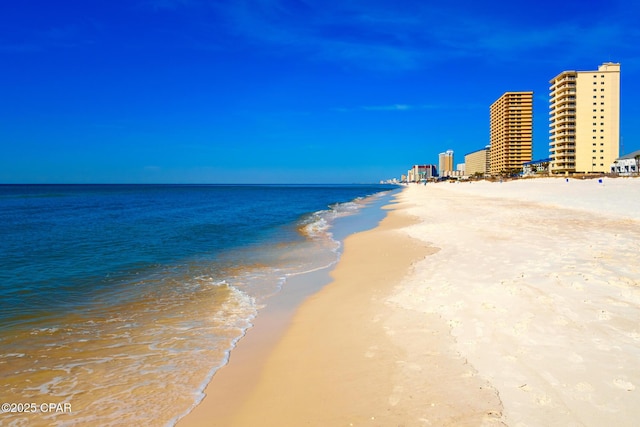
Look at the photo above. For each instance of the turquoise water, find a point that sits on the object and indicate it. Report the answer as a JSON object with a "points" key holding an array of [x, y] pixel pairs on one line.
{"points": [[113, 294]]}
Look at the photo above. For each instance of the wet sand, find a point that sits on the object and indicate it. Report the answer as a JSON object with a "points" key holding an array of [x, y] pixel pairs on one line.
{"points": [[349, 357], [513, 303]]}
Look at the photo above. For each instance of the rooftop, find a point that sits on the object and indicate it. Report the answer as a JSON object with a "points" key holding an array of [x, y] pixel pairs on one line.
{"points": [[631, 155]]}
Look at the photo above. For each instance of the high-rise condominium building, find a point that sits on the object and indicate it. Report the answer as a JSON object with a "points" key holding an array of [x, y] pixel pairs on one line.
{"points": [[445, 163], [477, 162], [420, 173], [584, 120], [511, 135]]}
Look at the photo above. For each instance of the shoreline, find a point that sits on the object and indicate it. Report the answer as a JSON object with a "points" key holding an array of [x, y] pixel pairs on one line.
{"points": [[482, 303], [347, 356], [276, 312], [233, 382], [234, 378]]}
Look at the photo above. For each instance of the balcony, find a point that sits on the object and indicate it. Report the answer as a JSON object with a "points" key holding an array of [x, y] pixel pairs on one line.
{"points": [[564, 162], [566, 125], [564, 86], [562, 159], [565, 93], [568, 77], [565, 133], [566, 106], [565, 121], [564, 139], [566, 149]]}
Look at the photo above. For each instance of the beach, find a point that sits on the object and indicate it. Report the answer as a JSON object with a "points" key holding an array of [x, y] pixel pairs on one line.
{"points": [[480, 303], [114, 294]]}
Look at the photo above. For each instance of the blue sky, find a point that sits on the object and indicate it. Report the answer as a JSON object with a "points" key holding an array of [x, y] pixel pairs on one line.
{"points": [[274, 91]]}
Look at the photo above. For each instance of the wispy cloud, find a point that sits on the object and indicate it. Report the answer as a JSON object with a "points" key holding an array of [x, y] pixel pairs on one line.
{"points": [[26, 40], [169, 4], [395, 107], [20, 47], [405, 35], [409, 34], [405, 107], [320, 31]]}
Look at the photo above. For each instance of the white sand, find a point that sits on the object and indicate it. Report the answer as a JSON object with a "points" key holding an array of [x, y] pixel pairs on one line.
{"points": [[539, 282], [528, 315]]}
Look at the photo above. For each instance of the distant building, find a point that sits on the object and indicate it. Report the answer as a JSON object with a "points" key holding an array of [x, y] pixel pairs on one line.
{"points": [[511, 135], [420, 173], [584, 120], [536, 167], [458, 173], [477, 162], [627, 164], [445, 162]]}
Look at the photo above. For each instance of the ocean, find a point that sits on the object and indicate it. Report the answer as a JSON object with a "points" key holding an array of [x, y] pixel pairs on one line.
{"points": [[120, 302]]}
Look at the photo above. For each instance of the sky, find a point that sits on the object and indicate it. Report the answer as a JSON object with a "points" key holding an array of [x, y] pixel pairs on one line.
{"points": [[284, 91]]}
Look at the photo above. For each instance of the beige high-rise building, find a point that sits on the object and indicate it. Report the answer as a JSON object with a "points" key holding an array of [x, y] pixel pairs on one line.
{"points": [[511, 132], [477, 162], [584, 120], [445, 163]]}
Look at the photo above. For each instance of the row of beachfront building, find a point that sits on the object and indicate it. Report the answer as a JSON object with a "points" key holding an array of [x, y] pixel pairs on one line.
{"points": [[584, 132]]}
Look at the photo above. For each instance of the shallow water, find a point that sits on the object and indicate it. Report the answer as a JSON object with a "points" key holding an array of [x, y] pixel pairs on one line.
{"points": [[122, 301]]}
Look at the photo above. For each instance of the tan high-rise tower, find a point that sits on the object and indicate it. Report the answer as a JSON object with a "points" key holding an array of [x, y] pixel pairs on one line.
{"points": [[584, 120], [445, 163], [511, 132]]}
